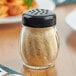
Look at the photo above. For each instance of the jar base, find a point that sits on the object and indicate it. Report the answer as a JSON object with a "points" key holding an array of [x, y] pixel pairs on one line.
{"points": [[50, 71]]}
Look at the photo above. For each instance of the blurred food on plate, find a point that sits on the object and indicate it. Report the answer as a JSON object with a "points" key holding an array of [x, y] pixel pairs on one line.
{"points": [[15, 7], [3, 11]]}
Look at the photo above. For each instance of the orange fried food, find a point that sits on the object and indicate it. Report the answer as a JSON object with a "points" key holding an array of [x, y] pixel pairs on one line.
{"points": [[4, 15], [34, 4], [14, 2], [2, 2], [3, 11], [14, 7], [15, 10], [11, 0]]}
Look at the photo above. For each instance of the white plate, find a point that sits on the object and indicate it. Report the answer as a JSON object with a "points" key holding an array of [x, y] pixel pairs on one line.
{"points": [[12, 19], [46, 4], [71, 19]]}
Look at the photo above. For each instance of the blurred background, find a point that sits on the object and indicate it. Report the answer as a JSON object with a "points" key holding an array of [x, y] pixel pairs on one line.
{"points": [[17, 7], [11, 10]]}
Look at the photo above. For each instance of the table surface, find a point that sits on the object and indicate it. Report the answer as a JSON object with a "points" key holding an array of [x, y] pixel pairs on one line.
{"points": [[66, 60]]}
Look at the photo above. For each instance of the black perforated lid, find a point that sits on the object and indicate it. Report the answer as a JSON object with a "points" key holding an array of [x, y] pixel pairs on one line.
{"points": [[39, 18]]}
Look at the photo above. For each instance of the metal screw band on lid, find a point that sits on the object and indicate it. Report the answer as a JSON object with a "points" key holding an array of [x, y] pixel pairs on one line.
{"points": [[39, 18]]}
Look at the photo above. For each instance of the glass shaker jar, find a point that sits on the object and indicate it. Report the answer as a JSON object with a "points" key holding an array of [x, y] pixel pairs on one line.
{"points": [[39, 41]]}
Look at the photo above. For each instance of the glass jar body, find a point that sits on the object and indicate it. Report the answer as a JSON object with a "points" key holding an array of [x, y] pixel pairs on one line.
{"points": [[39, 47]]}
